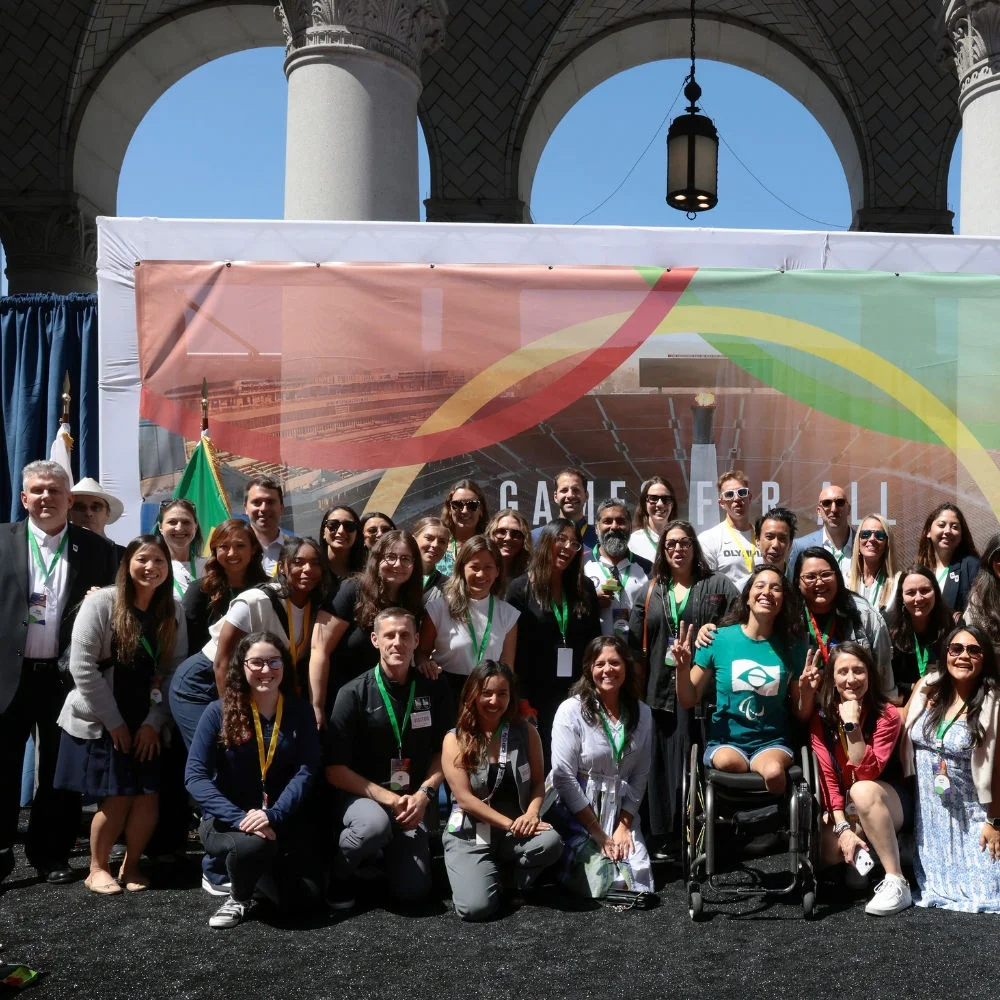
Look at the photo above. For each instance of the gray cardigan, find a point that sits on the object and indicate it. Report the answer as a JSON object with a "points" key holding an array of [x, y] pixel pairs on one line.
{"points": [[90, 708]]}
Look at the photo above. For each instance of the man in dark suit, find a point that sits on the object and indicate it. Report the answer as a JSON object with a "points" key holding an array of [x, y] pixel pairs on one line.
{"points": [[46, 568]]}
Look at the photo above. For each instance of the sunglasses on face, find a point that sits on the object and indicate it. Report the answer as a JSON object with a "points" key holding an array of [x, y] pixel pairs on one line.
{"points": [[837, 502], [95, 507], [513, 533], [742, 493], [459, 505], [658, 498], [958, 648], [333, 525], [683, 544], [877, 534], [257, 663]]}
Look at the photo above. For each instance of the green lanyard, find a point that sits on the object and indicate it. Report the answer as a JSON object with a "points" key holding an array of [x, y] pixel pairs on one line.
{"points": [[562, 618], [922, 654], [945, 724], [37, 553], [676, 610], [391, 712], [155, 656], [607, 574], [617, 749], [179, 588], [477, 649]]}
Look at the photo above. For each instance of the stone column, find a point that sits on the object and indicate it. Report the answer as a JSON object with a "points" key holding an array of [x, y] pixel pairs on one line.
{"points": [[974, 29], [353, 69], [51, 246]]}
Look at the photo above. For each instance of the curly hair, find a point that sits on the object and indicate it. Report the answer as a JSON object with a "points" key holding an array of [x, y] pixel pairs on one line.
{"points": [[788, 623], [371, 597], [940, 687], [872, 704], [901, 624], [126, 629], [586, 690], [356, 556], [661, 567], [456, 590], [237, 726], [215, 582], [472, 487], [574, 582], [925, 548], [472, 741], [519, 564]]}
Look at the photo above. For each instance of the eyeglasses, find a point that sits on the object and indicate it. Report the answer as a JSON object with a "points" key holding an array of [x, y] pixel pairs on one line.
{"points": [[568, 543], [514, 534], [683, 544], [257, 663], [811, 578], [376, 530], [742, 493], [459, 505], [94, 507], [837, 502], [877, 534], [958, 648], [333, 525], [658, 498], [392, 559]]}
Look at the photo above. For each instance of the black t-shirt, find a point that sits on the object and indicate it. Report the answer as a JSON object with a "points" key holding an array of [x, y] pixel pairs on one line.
{"points": [[354, 653], [360, 733]]}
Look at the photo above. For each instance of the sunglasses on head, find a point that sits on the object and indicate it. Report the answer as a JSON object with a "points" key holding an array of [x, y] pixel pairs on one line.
{"points": [[876, 533], [742, 493], [958, 648], [460, 505], [832, 502], [335, 524], [176, 502]]}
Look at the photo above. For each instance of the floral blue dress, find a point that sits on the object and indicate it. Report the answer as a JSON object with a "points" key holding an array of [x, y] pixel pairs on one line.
{"points": [[952, 872]]}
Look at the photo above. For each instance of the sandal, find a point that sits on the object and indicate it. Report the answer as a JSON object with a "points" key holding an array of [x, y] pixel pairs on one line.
{"points": [[109, 888]]}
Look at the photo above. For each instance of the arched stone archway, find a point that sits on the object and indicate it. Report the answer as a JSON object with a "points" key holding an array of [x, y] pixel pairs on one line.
{"points": [[668, 38], [116, 101]]}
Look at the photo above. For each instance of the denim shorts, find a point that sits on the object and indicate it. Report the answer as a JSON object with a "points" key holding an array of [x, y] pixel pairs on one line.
{"points": [[749, 754]]}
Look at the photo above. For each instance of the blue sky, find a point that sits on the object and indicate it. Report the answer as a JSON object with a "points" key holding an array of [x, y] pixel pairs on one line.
{"points": [[213, 146]]}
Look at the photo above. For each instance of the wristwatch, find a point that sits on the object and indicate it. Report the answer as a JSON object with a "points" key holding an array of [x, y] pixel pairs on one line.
{"points": [[430, 791], [994, 821], [841, 827], [849, 727]]}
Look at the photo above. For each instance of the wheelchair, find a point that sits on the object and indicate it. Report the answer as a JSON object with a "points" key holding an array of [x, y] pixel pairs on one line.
{"points": [[722, 809]]}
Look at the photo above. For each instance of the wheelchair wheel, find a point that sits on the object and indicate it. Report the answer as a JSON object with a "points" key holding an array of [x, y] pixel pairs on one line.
{"points": [[808, 904], [696, 905], [693, 820]]}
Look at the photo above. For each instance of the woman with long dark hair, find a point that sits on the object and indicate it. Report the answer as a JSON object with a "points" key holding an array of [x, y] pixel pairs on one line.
{"points": [[341, 643], [464, 513], [762, 671], [253, 758], [343, 553], [983, 608], [600, 763], [492, 761], [656, 508], [947, 549], [374, 525], [918, 620], [682, 589], [950, 742], [853, 733], [126, 641], [559, 616]]}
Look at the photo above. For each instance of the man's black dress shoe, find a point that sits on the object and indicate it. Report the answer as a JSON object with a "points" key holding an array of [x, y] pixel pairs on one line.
{"points": [[57, 876]]}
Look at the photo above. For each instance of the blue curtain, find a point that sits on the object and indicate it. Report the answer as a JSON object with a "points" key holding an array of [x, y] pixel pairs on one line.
{"points": [[41, 338]]}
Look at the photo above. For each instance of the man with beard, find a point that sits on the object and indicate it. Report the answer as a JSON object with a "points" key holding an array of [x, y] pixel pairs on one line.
{"points": [[617, 577], [836, 534]]}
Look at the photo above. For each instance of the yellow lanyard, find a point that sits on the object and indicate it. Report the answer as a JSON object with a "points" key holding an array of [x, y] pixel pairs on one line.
{"points": [[294, 643], [747, 553], [266, 760]]}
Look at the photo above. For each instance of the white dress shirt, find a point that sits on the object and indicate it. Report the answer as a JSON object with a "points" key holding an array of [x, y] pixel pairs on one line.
{"points": [[42, 642]]}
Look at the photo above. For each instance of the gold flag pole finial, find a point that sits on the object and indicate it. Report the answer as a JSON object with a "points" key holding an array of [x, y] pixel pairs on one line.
{"points": [[66, 398]]}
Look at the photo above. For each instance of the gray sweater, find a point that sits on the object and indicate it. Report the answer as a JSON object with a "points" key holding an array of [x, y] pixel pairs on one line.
{"points": [[90, 708]]}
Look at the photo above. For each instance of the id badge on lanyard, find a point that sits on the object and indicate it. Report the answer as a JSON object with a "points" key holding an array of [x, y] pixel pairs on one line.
{"points": [[564, 661]]}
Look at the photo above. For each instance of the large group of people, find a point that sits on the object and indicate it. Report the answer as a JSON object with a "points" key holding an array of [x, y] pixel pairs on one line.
{"points": [[323, 705]]}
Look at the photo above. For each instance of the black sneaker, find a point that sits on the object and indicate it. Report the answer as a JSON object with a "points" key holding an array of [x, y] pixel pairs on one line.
{"points": [[340, 894], [230, 914]]}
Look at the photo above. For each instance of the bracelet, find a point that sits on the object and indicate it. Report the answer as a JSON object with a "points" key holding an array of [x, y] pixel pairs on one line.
{"points": [[841, 827], [430, 791]]}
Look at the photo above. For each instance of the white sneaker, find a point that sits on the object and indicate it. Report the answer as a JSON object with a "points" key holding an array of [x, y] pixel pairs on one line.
{"points": [[892, 895], [216, 889], [230, 914]]}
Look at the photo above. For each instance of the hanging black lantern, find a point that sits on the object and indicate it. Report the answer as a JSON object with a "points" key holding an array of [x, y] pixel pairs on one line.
{"points": [[692, 153]]}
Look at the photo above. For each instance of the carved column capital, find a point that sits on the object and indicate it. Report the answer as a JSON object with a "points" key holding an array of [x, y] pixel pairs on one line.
{"points": [[402, 30], [51, 245], [974, 32]]}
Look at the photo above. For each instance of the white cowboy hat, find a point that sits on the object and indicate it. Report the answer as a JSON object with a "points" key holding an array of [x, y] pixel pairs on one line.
{"points": [[92, 488]]}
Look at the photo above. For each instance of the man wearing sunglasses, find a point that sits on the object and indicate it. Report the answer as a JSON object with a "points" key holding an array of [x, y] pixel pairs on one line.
{"points": [[836, 535], [570, 498], [730, 547]]}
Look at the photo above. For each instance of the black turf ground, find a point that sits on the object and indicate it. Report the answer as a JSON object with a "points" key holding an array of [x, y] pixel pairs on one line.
{"points": [[157, 944]]}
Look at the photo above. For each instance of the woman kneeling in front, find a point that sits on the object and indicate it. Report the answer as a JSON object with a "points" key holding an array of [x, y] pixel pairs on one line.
{"points": [[493, 764], [252, 760], [853, 734]]}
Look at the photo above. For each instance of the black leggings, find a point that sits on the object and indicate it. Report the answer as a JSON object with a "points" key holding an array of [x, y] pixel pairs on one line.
{"points": [[247, 856]]}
